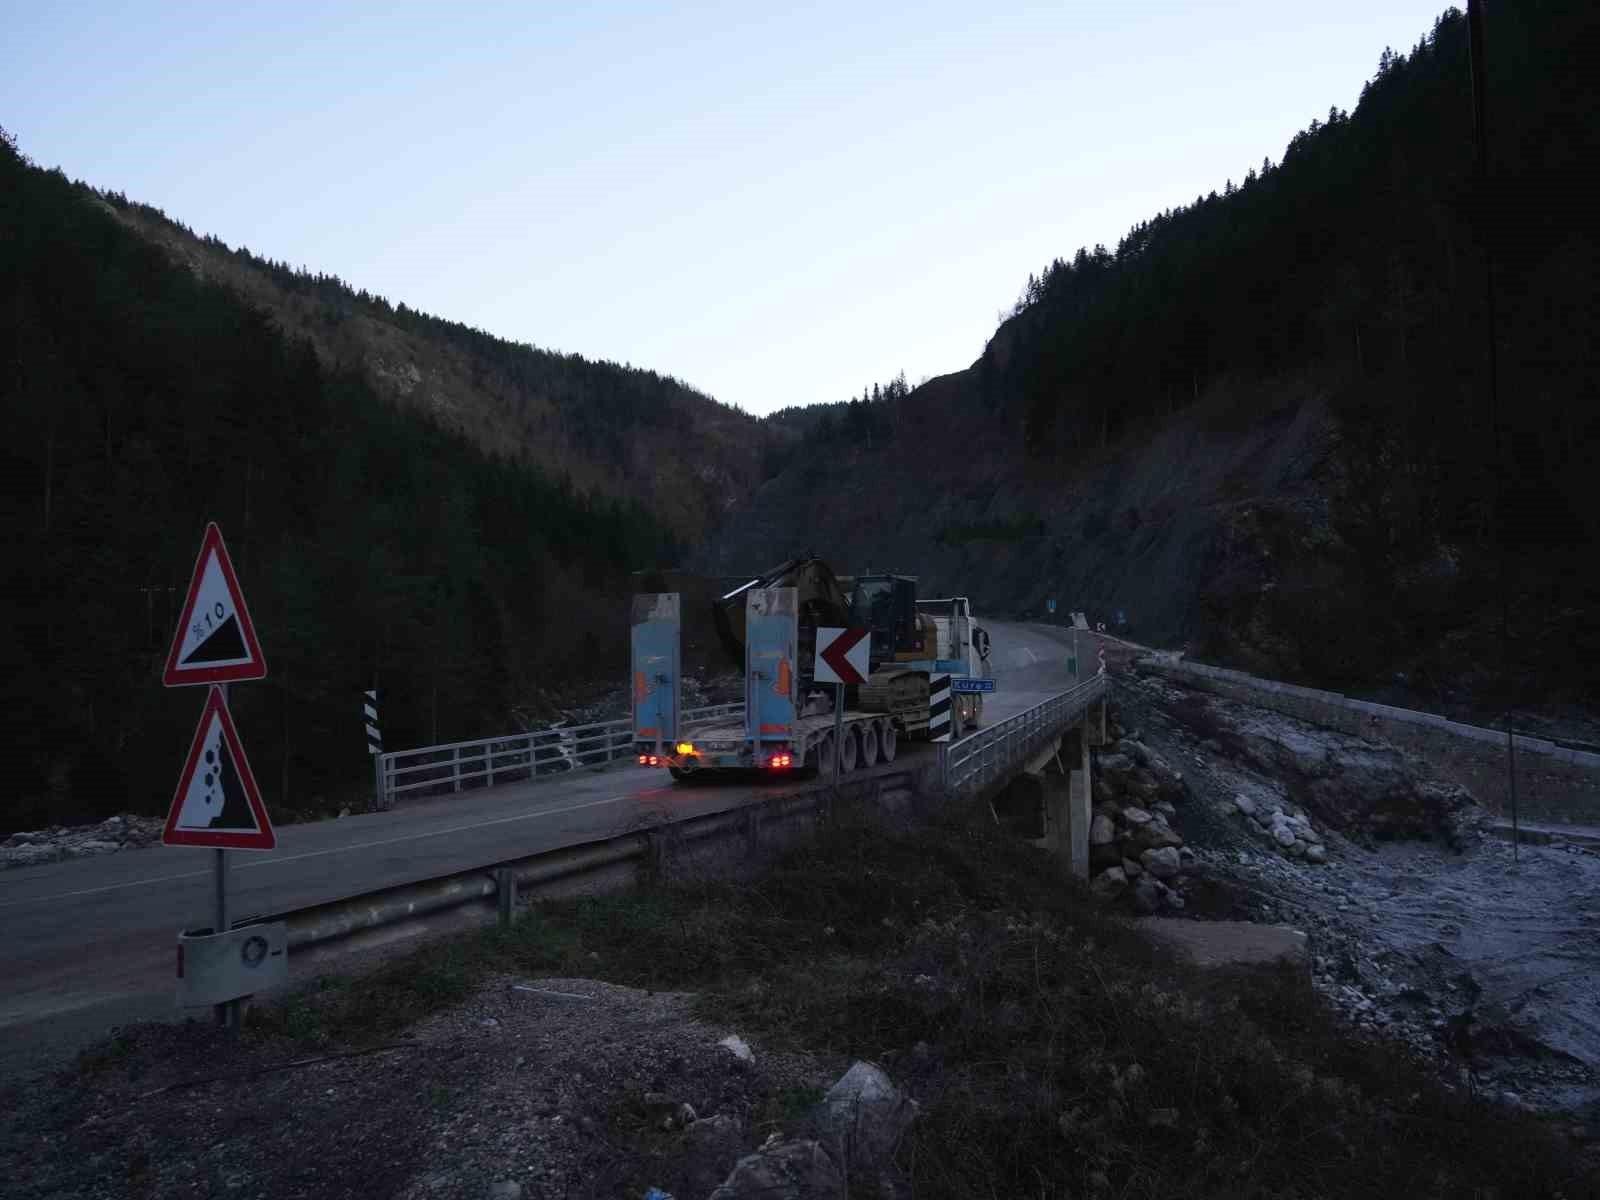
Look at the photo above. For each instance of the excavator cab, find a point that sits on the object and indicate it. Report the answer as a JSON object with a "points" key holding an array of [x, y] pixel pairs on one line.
{"points": [[887, 605]]}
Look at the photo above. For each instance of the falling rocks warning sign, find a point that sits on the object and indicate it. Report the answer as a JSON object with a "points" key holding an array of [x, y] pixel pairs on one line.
{"points": [[217, 802], [215, 641]]}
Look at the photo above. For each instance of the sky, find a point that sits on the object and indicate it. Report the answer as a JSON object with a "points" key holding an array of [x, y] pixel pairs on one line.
{"points": [[777, 204]]}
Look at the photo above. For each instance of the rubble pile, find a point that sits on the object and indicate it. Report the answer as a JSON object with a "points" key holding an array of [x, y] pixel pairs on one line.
{"points": [[1282, 826], [1134, 852], [126, 832]]}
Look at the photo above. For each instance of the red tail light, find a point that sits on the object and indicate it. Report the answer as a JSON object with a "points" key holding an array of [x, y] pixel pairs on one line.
{"points": [[778, 761]]}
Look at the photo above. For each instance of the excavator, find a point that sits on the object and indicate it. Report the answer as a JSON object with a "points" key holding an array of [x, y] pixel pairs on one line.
{"points": [[903, 639]]}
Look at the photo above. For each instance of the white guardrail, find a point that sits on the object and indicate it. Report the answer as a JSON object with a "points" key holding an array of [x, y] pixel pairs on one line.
{"points": [[459, 766], [976, 761]]}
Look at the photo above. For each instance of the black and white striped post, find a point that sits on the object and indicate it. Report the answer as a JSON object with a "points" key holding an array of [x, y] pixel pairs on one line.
{"points": [[374, 734], [939, 708], [374, 741]]}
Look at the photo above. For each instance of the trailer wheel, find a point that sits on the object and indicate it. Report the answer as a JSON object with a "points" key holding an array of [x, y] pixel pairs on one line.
{"points": [[869, 744], [888, 742], [847, 752], [821, 760]]}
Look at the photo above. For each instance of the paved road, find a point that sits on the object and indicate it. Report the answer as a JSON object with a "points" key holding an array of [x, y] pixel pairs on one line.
{"points": [[90, 943]]}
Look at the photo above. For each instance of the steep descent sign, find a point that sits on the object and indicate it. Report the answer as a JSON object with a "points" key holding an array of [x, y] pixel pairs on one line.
{"points": [[215, 641], [842, 656], [217, 802]]}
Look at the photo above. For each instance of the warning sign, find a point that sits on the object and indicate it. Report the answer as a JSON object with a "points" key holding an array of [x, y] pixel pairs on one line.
{"points": [[215, 641], [217, 802]]}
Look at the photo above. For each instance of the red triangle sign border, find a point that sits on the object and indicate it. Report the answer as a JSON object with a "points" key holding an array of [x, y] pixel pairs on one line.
{"points": [[256, 668], [264, 838]]}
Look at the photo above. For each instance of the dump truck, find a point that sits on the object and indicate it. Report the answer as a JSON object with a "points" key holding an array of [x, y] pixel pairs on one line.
{"points": [[928, 669]]}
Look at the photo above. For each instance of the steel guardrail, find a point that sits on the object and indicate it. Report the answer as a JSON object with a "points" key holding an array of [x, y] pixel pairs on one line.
{"points": [[629, 850], [483, 762], [980, 758]]}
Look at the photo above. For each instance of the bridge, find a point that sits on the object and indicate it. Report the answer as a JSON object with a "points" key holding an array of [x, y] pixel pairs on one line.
{"points": [[91, 941]]}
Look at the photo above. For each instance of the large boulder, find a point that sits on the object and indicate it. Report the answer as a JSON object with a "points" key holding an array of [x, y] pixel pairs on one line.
{"points": [[1155, 835], [862, 1118], [1102, 832], [1162, 863]]}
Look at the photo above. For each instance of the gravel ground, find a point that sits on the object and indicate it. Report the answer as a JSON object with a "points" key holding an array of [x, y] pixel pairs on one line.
{"points": [[576, 1094], [1486, 967]]}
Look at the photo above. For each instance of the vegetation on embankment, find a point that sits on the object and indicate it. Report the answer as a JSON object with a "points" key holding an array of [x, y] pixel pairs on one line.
{"points": [[1055, 1051], [373, 545]]}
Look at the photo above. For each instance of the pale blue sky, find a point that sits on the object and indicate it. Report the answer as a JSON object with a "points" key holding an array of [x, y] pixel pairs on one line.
{"points": [[777, 206]]}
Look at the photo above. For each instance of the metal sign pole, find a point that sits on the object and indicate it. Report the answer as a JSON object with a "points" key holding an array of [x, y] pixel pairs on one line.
{"points": [[226, 1010], [838, 732]]}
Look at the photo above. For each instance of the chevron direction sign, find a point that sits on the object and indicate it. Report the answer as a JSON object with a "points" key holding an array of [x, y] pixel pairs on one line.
{"points": [[842, 655]]}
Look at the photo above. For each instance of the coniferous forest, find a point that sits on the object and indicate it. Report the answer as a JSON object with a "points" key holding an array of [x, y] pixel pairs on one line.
{"points": [[372, 545]]}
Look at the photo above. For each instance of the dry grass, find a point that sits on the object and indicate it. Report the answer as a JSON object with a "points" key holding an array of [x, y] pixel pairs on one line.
{"points": [[1057, 1052]]}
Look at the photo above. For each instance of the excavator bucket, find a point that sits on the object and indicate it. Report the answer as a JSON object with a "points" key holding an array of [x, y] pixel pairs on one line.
{"points": [[656, 671]]}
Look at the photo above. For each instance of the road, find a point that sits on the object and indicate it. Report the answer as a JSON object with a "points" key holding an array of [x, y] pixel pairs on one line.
{"points": [[90, 943]]}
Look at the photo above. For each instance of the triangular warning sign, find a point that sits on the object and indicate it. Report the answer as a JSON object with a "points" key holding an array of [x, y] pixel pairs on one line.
{"points": [[215, 641], [217, 802]]}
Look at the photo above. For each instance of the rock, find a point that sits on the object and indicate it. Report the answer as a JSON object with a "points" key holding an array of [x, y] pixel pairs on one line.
{"points": [[1162, 1118], [1162, 862], [505, 1189], [1134, 815], [1131, 869], [1144, 784], [90, 848], [863, 1116], [1156, 835], [30, 855], [1283, 835], [721, 1130], [784, 1170], [1186, 859], [738, 1047], [1295, 849], [1244, 804], [1101, 831], [1147, 895], [1316, 853], [1166, 808], [1115, 764], [1108, 855], [1109, 882]]}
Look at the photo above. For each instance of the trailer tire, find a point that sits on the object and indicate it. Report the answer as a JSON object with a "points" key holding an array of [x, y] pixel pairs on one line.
{"points": [[888, 742], [847, 752], [869, 744], [821, 757]]}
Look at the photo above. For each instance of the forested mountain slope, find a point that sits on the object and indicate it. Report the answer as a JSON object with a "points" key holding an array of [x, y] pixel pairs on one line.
{"points": [[618, 431], [1261, 424], [143, 397]]}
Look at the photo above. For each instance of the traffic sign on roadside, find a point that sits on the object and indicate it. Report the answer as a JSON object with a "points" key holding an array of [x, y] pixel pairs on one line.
{"points": [[842, 656], [217, 803], [968, 683], [215, 641]]}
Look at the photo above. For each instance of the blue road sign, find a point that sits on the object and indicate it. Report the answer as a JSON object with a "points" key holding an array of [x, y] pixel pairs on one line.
{"points": [[1050, 604], [964, 684]]}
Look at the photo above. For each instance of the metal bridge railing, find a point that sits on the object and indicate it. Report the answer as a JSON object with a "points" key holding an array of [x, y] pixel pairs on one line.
{"points": [[461, 766], [990, 754]]}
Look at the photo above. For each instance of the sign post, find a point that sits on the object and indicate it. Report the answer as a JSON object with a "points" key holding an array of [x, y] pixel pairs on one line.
{"points": [[217, 803], [842, 658]]}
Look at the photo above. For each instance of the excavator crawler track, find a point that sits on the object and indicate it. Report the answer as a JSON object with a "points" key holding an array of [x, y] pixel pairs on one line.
{"points": [[896, 691]]}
